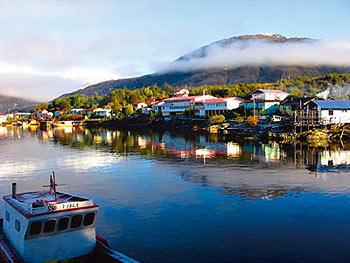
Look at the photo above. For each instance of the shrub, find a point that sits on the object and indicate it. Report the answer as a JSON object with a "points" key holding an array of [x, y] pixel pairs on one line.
{"points": [[217, 118], [252, 120]]}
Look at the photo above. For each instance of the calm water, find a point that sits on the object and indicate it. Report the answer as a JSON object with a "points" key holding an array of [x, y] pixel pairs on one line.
{"points": [[170, 198]]}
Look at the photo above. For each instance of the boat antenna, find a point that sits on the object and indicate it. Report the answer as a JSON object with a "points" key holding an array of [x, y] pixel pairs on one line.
{"points": [[53, 185]]}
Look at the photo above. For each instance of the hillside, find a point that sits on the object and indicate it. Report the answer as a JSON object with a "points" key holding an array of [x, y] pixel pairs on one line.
{"points": [[218, 75], [8, 104]]}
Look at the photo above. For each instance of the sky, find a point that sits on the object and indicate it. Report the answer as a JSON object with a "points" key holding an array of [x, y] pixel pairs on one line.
{"points": [[50, 47]]}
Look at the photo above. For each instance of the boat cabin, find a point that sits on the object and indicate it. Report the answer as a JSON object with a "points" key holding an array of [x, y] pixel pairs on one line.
{"points": [[49, 225]]}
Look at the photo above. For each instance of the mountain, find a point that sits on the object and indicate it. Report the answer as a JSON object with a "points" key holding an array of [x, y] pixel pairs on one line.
{"points": [[220, 74], [8, 104]]}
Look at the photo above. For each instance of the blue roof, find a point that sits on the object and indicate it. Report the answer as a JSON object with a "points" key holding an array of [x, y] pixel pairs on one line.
{"points": [[332, 104]]}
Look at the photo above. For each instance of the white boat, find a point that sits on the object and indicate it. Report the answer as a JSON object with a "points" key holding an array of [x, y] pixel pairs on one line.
{"points": [[52, 226]]}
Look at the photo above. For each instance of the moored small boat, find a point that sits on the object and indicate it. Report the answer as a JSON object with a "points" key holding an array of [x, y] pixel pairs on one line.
{"points": [[50, 226]]}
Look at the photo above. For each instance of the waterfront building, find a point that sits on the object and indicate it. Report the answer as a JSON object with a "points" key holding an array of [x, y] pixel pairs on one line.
{"points": [[76, 111], [214, 106], [41, 114], [291, 104], [324, 112], [22, 115], [102, 113], [266, 100], [177, 105]]}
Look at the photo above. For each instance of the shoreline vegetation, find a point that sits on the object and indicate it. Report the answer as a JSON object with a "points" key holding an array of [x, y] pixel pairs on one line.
{"points": [[124, 113]]}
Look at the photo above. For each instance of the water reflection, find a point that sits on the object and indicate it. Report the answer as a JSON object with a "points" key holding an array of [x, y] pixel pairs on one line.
{"points": [[201, 148], [194, 196]]}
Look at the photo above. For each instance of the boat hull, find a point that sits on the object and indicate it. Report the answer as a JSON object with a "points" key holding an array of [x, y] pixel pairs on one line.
{"points": [[102, 253]]}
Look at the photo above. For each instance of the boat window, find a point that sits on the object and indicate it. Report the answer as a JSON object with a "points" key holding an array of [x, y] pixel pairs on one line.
{"points": [[76, 221], [89, 219], [35, 228], [17, 225], [7, 216], [63, 223], [49, 226]]}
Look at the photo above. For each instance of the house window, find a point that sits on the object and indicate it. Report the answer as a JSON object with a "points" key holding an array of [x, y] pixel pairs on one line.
{"points": [[7, 216], [63, 223], [344, 110], [49, 226], [76, 221], [35, 228], [330, 112], [89, 219], [17, 225]]}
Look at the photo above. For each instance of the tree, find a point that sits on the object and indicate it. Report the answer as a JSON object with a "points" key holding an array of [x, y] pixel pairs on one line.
{"points": [[129, 109], [42, 106]]}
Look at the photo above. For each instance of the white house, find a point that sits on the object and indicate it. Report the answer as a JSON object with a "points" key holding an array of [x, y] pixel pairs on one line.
{"points": [[181, 92], [265, 100], [215, 106], [76, 111], [177, 105], [329, 111], [140, 105], [102, 113]]}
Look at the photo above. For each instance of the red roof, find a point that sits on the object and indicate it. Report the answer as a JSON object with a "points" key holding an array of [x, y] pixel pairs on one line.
{"points": [[178, 89], [222, 99], [270, 91], [202, 97]]}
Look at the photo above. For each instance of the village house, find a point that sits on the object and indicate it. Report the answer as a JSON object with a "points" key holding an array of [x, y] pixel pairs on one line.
{"points": [[266, 100], [102, 113], [177, 105], [181, 92], [214, 106], [324, 112], [140, 105], [76, 111], [292, 104], [22, 115], [39, 114]]}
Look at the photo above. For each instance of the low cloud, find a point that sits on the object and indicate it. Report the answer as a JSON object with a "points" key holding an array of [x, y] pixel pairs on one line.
{"points": [[253, 53]]}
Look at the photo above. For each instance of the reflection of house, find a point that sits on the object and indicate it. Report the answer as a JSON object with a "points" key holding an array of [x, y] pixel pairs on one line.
{"points": [[215, 106], [324, 112], [272, 152], [233, 149], [335, 158], [265, 100], [3, 118], [177, 105]]}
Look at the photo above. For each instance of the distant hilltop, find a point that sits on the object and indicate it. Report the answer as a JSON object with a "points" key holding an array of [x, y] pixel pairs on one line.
{"points": [[194, 68], [10, 103]]}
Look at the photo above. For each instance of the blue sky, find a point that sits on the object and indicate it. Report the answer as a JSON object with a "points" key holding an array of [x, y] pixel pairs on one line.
{"points": [[62, 45]]}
